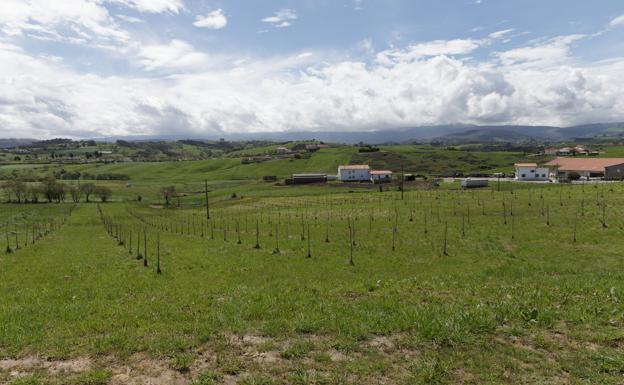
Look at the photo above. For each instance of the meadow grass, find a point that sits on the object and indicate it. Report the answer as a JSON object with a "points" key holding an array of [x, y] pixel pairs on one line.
{"points": [[447, 286]]}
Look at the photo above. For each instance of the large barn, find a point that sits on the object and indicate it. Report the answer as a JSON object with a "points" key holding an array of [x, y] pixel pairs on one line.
{"points": [[607, 168]]}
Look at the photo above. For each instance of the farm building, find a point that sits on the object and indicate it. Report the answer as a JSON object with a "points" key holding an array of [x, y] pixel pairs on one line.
{"points": [[530, 172], [354, 173], [309, 178], [474, 183], [381, 176], [283, 150], [570, 151], [607, 168]]}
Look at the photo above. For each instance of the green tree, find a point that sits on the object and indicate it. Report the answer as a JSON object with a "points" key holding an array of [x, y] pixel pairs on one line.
{"points": [[87, 190], [104, 193]]}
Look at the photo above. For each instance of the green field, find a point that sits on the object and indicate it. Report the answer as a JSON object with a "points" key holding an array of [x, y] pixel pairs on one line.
{"points": [[446, 286]]}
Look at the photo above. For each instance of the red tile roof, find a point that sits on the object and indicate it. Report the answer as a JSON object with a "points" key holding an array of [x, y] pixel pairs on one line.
{"points": [[525, 165], [585, 164], [380, 172]]}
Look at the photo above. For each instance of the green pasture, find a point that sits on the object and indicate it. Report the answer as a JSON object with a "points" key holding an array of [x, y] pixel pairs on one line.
{"points": [[522, 285]]}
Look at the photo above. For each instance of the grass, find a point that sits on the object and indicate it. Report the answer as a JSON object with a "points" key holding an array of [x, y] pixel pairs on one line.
{"points": [[513, 300]]}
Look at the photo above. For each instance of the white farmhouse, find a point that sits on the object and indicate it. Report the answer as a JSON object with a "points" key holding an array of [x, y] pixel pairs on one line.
{"points": [[354, 173], [530, 172]]}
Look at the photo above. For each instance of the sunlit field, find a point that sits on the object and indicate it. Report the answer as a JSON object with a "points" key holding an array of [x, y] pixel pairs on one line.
{"points": [[425, 286]]}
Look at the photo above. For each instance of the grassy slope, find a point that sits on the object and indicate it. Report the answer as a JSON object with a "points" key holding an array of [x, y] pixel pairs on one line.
{"points": [[427, 160]]}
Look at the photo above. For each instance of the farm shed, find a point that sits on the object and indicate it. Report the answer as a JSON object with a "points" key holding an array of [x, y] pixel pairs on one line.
{"points": [[309, 178], [608, 168], [474, 183], [381, 176]]}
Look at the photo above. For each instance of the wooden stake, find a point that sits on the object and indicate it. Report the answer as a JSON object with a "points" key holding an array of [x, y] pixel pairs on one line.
{"points": [[158, 271], [351, 242], [445, 238], [257, 246], [309, 241], [144, 248]]}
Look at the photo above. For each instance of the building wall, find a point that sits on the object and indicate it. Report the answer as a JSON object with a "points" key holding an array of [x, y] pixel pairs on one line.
{"points": [[532, 173], [347, 175], [615, 172], [309, 180]]}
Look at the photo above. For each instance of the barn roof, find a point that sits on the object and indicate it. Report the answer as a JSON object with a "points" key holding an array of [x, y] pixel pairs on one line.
{"points": [[585, 164], [381, 172]]}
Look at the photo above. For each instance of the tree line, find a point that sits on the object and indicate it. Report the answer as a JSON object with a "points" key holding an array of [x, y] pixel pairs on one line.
{"points": [[53, 191]]}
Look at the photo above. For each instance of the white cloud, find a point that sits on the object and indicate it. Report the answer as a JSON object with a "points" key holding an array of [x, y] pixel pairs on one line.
{"points": [[367, 46], [75, 21], [432, 48], [176, 54], [129, 19], [152, 6], [618, 21], [214, 20], [44, 97], [282, 18], [543, 53], [500, 34]]}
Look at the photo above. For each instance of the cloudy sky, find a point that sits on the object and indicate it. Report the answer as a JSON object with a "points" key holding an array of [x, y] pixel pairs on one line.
{"points": [[94, 68]]}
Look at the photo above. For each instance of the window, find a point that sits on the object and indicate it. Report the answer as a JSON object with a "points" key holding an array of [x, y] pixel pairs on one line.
{"points": [[524, 175]]}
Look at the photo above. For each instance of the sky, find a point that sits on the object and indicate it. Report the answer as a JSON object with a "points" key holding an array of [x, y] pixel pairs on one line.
{"points": [[101, 68]]}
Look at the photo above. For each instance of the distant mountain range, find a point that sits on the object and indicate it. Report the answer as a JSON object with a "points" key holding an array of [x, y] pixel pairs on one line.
{"points": [[452, 134], [485, 135]]}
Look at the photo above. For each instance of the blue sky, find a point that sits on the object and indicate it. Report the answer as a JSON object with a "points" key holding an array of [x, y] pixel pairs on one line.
{"points": [[85, 68]]}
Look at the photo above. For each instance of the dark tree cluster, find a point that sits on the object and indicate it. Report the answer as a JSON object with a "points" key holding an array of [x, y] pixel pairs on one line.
{"points": [[52, 191]]}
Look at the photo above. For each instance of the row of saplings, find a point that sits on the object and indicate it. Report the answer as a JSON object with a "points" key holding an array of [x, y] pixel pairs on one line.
{"points": [[51, 190], [36, 229], [124, 238]]}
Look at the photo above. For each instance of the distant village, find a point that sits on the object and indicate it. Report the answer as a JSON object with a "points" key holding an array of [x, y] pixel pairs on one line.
{"points": [[570, 164]]}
